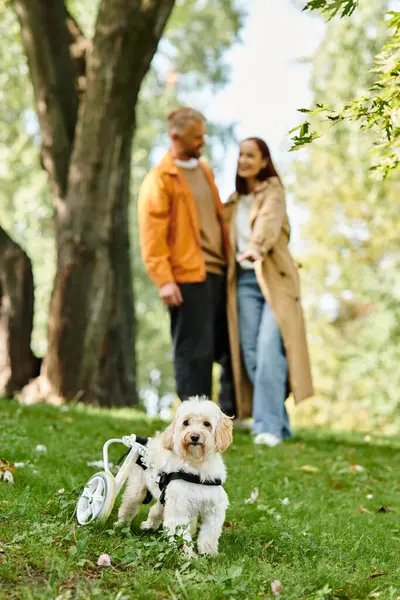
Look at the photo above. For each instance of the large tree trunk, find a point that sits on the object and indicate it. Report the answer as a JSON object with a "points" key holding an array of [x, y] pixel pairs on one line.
{"points": [[17, 362], [115, 382], [90, 337]]}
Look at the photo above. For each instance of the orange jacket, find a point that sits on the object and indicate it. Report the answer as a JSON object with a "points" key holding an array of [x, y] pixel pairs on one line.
{"points": [[169, 226]]}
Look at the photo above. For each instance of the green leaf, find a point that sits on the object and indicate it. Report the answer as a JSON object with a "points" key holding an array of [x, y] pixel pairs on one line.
{"points": [[234, 572]]}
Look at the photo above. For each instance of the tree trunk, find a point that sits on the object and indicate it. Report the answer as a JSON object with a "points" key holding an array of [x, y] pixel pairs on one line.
{"points": [[17, 362], [91, 324], [115, 379]]}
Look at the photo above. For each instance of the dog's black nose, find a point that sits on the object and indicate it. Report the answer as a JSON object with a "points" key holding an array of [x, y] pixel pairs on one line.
{"points": [[194, 438]]}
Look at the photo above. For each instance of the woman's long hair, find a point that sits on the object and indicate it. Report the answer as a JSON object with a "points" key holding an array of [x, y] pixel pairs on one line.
{"points": [[263, 174]]}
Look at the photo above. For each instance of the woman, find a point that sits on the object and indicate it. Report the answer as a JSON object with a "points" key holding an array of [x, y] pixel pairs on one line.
{"points": [[264, 310]]}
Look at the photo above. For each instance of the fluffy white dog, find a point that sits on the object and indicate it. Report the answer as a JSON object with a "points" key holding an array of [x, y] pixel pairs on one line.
{"points": [[187, 458]]}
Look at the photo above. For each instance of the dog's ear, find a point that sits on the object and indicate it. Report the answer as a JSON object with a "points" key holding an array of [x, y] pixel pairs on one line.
{"points": [[223, 433], [168, 437]]}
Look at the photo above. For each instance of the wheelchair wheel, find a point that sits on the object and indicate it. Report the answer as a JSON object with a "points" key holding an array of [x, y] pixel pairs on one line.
{"points": [[97, 499]]}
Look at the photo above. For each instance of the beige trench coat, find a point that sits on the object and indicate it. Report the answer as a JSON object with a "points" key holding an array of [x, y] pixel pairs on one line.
{"points": [[279, 282]]}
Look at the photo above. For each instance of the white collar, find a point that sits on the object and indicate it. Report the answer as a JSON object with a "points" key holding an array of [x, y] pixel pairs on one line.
{"points": [[192, 163]]}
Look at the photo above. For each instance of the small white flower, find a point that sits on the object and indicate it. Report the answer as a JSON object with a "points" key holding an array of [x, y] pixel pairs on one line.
{"points": [[278, 517], [370, 496], [276, 587], [253, 496], [41, 448], [61, 491], [285, 501], [104, 560], [8, 476], [367, 438], [19, 465]]}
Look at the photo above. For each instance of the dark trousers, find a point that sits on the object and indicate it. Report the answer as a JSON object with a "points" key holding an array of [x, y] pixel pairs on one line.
{"points": [[200, 338]]}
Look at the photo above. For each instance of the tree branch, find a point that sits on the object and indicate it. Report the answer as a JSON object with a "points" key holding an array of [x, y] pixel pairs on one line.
{"points": [[79, 48], [46, 41]]}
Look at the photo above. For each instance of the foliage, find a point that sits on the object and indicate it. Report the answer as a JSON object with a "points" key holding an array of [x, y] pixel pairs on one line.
{"points": [[351, 281], [327, 540], [378, 108]]}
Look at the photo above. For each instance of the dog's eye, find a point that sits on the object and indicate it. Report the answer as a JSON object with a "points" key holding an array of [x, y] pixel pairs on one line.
{"points": [[207, 424], [186, 423]]}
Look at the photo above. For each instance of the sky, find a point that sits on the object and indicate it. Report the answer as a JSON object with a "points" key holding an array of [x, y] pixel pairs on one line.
{"points": [[268, 81]]}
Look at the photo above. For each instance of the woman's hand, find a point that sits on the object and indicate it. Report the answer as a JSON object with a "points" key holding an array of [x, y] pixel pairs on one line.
{"points": [[250, 255]]}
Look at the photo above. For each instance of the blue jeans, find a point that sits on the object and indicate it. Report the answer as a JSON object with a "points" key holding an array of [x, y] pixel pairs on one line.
{"points": [[264, 357]]}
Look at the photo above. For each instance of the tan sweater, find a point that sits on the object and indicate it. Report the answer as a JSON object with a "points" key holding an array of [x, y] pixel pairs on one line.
{"points": [[210, 229]]}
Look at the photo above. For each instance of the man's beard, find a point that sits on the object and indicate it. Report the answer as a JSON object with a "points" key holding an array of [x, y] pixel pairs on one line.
{"points": [[193, 153]]}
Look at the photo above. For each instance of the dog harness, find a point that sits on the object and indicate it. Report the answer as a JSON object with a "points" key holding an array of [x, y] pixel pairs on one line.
{"points": [[164, 479]]}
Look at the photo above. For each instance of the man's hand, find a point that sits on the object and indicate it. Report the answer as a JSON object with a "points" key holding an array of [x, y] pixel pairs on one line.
{"points": [[170, 294], [251, 255]]}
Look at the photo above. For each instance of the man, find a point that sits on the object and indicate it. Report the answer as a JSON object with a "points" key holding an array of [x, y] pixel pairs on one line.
{"points": [[184, 245]]}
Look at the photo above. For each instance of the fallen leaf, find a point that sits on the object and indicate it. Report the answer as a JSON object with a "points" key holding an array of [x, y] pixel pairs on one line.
{"points": [[41, 448], [309, 469], [8, 476], [228, 525], [356, 468], [385, 509], [5, 465], [276, 587], [364, 510], [374, 575], [104, 560], [234, 571], [253, 496]]}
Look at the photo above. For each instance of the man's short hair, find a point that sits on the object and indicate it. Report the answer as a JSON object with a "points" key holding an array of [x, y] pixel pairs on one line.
{"points": [[179, 118]]}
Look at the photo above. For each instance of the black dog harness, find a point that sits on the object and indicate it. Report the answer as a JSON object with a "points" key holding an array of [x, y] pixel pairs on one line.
{"points": [[166, 478]]}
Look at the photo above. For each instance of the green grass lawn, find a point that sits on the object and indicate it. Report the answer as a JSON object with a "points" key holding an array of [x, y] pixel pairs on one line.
{"points": [[328, 540]]}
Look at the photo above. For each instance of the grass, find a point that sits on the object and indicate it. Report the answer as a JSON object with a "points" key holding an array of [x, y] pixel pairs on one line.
{"points": [[320, 545]]}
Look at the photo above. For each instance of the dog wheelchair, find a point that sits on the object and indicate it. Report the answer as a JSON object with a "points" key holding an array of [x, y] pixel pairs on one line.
{"points": [[98, 497]]}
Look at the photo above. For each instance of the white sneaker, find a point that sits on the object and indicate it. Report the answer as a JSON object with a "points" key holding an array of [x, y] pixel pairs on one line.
{"points": [[267, 439]]}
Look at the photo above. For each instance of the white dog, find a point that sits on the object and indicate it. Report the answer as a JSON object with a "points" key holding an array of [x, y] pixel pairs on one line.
{"points": [[185, 474]]}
